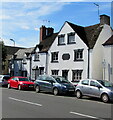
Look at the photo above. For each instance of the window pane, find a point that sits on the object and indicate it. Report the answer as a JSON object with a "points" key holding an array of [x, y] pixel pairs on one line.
{"points": [[85, 82], [78, 54]]}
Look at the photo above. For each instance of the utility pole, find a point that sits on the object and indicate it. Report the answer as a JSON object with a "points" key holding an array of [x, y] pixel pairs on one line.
{"points": [[98, 9], [13, 41]]}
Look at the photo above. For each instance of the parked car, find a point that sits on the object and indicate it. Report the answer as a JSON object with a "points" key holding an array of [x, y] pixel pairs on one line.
{"points": [[55, 84], [95, 88], [4, 80], [20, 83], [75, 83]]}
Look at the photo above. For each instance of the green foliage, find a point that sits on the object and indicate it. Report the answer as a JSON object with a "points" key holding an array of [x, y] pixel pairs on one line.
{"points": [[4, 52]]}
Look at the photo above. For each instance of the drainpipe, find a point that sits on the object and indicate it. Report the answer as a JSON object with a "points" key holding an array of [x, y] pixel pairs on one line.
{"points": [[30, 66], [88, 71], [46, 69]]}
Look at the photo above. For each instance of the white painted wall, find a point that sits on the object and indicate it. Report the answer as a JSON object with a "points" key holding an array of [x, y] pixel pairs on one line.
{"points": [[41, 62], [97, 53], [108, 58], [68, 48]]}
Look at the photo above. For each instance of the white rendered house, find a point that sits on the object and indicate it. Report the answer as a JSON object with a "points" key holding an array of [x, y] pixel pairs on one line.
{"points": [[76, 52], [108, 59]]}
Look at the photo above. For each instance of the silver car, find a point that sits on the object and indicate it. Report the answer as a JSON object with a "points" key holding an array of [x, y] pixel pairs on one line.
{"points": [[4, 80], [95, 88]]}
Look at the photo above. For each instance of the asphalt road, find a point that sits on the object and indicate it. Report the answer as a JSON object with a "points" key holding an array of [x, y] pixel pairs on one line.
{"points": [[28, 104]]}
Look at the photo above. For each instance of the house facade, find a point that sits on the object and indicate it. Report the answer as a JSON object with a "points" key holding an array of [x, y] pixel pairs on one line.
{"points": [[76, 52], [108, 59], [40, 53], [21, 63]]}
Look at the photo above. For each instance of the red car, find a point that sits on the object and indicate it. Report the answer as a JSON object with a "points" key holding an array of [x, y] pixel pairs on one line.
{"points": [[20, 83]]}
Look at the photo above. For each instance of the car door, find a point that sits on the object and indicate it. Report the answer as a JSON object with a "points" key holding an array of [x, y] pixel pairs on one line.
{"points": [[42, 82], [95, 90], [85, 87], [49, 83], [14, 82]]}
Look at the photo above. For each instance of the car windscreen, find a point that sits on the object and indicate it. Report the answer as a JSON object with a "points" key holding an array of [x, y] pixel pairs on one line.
{"points": [[23, 79], [105, 83], [60, 79]]}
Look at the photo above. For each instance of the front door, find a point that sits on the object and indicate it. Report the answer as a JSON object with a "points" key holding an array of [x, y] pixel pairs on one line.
{"points": [[65, 74]]}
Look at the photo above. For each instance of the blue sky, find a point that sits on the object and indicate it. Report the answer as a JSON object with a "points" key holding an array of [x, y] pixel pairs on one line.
{"points": [[21, 20]]}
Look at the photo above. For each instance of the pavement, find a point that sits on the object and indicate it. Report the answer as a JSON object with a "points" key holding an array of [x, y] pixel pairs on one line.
{"points": [[28, 104]]}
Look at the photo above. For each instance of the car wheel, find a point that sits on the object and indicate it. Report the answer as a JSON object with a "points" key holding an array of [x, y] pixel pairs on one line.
{"points": [[8, 86], [105, 98], [19, 87], [78, 94], [55, 91], [37, 89]]}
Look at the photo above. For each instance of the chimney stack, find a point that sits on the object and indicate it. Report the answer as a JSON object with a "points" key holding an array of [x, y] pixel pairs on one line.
{"points": [[44, 32], [104, 19]]}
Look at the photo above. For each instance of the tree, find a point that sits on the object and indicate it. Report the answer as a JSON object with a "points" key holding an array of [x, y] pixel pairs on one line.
{"points": [[4, 55]]}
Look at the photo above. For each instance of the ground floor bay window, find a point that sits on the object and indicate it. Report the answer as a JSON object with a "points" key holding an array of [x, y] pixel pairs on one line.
{"points": [[76, 75], [54, 72]]}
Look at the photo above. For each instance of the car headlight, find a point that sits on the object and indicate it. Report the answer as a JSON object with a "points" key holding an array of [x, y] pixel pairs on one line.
{"points": [[64, 86]]}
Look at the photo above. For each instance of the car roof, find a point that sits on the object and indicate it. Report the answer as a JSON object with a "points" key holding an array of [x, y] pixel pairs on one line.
{"points": [[2, 76], [19, 77]]}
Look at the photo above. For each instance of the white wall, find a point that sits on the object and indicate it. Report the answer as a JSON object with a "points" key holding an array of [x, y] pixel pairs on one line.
{"points": [[40, 63], [108, 58], [68, 48], [97, 53]]}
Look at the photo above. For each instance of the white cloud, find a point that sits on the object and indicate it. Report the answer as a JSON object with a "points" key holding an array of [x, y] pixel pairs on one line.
{"points": [[37, 29], [5, 17], [25, 27]]}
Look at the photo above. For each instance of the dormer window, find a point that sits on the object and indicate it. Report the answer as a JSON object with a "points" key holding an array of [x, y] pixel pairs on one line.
{"points": [[71, 38], [36, 57], [61, 39]]}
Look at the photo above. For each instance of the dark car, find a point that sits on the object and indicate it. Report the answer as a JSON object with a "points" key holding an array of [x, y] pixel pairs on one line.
{"points": [[20, 83], [4, 80], [55, 84], [95, 88]]}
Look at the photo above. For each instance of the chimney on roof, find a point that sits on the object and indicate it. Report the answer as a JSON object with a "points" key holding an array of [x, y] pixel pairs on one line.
{"points": [[104, 19], [44, 32]]}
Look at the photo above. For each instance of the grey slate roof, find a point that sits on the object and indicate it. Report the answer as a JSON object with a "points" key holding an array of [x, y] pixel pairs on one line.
{"points": [[12, 50], [21, 52], [46, 43], [109, 41], [88, 34]]}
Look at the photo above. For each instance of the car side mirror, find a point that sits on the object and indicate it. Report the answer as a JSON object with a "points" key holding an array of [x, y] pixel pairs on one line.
{"points": [[16, 80], [52, 82]]}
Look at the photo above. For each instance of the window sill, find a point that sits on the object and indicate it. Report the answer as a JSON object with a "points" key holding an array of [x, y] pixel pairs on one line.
{"points": [[24, 63], [61, 44], [71, 43], [78, 60], [54, 61], [36, 60]]}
